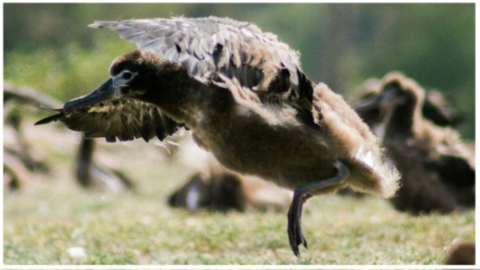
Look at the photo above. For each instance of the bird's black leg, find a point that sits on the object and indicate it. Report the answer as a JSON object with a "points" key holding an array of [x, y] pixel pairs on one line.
{"points": [[295, 233], [300, 195]]}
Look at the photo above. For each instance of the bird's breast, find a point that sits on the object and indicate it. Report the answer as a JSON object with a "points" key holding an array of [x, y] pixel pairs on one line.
{"points": [[268, 144]]}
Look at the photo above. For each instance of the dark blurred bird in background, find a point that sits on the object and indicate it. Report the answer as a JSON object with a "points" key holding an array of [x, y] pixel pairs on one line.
{"points": [[437, 166]]}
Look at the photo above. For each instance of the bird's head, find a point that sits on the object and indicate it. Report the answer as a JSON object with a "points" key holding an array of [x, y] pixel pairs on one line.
{"points": [[396, 92], [132, 75]]}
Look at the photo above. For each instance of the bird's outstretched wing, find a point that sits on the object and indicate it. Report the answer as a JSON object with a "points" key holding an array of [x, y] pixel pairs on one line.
{"points": [[123, 119], [205, 46]]}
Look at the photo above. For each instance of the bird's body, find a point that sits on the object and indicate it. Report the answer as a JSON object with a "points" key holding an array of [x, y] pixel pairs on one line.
{"points": [[245, 98]]}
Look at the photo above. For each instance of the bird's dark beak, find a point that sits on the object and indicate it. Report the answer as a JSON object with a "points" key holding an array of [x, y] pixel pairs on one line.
{"points": [[106, 92], [380, 101], [369, 104]]}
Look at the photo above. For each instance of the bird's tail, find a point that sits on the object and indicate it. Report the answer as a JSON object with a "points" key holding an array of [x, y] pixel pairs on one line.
{"points": [[383, 177]]}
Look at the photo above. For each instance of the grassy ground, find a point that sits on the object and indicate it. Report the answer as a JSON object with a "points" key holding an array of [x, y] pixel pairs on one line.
{"points": [[51, 215]]}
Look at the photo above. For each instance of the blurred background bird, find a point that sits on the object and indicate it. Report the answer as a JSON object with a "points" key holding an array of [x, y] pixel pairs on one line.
{"points": [[437, 166]]}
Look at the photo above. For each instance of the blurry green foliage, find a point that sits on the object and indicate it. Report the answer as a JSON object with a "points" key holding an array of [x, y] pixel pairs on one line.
{"points": [[66, 72], [49, 47]]}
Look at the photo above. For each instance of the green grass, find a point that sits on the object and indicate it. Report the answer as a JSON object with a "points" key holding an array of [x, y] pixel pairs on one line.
{"points": [[52, 214]]}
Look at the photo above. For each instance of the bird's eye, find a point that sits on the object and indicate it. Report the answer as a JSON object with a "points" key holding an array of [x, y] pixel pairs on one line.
{"points": [[127, 75]]}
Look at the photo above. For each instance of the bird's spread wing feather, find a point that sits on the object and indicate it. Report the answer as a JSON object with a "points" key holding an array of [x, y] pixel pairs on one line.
{"points": [[205, 46], [123, 119]]}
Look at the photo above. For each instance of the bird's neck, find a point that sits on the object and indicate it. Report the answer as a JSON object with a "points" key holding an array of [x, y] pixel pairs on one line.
{"points": [[403, 119], [183, 98]]}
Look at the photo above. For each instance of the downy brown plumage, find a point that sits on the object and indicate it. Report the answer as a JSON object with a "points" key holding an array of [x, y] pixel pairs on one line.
{"points": [[246, 100]]}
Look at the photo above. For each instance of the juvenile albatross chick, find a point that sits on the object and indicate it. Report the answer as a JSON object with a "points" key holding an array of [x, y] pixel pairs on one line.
{"points": [[244, 96]]}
